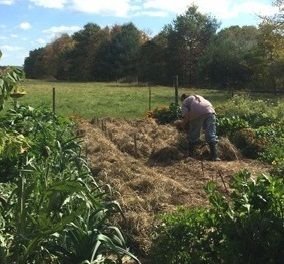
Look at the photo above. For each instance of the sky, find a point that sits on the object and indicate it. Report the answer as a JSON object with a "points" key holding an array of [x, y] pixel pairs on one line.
{"points": [[26, 25]]}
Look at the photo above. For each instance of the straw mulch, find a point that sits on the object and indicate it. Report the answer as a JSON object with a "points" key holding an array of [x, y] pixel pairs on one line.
{"points": [[147, 167]]}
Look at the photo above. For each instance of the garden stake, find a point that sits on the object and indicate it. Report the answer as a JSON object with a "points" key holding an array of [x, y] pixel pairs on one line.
{"points": [[150, 97], [110, 135], [221, 176], [135, 145], [176, 90], [202, 168]]}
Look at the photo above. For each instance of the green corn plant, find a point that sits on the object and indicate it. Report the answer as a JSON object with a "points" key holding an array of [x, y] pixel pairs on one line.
{"points": [[53, 195], [89, 239], [9, 78]]}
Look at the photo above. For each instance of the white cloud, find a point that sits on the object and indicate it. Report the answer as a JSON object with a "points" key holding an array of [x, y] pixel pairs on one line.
{"points": [[57, 31], [222, 9], [118, 8], [170, 6], [6, 2], [49, 3], [41, 41], [7, 48], [226, 9], [25, 25], [13, 35], [151, 13], [254, 7]]}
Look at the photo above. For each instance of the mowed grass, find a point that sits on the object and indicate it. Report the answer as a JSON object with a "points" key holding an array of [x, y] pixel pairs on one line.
{"points": [[115, 100], [90, 100]]}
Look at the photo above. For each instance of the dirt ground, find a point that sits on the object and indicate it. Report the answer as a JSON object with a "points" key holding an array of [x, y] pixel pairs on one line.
{"points": [[148, 169]]}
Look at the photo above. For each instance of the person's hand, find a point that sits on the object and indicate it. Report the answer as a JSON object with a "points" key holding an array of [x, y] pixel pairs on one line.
{"points": [[179, 124]]}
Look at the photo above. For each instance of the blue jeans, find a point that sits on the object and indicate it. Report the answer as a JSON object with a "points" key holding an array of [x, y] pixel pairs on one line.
{"points": [[208, 124]]}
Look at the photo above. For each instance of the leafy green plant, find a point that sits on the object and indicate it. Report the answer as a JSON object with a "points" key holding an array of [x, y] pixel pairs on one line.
{"points": [[185, 237], [165, 115], [226, 126], [249, 143], [254, 126], [246, 227], [245, 106], [278, 167], [260, 119], [51, 194], [83, 240], [9, 78], [274, 152]]}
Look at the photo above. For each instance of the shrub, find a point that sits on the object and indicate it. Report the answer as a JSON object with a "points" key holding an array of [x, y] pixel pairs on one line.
{"points": [[250, 145], [165, 115], [278, 167], [244, 106], [185, 237], [227, 126], [246, 227]]}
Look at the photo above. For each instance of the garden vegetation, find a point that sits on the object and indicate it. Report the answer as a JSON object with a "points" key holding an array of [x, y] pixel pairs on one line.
{"points": [[52, 210]]}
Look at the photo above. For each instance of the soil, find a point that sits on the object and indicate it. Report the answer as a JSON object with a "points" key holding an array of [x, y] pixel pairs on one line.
{"points": [[147, 167]]}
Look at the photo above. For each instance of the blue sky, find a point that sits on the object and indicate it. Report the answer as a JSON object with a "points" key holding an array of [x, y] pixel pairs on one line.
{"points": [[29, 24]]}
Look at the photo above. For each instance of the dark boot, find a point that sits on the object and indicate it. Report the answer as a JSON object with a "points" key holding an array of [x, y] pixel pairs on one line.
{"points": [[213, 152], [191, 147]]}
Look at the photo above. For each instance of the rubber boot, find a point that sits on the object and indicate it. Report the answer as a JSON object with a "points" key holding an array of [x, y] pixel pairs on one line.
{"points": [[213, 152], [191, 147]]}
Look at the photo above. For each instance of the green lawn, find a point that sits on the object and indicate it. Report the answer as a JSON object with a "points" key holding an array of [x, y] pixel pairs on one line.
{"points": [[92, 99], [105, 99]]}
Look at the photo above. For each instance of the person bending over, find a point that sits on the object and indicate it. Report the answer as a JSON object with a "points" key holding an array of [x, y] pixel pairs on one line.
{"points": [[198, 113]]}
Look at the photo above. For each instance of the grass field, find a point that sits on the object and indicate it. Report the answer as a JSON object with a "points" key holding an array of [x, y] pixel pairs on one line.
{"points": [[92, 99], [105, 99]]}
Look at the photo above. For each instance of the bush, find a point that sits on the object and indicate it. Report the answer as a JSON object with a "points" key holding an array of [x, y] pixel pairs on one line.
{"points": [[250, 145], [165, 115], [227, 126], [244, 106], [256, 127], [278, 167], [246, 227]]}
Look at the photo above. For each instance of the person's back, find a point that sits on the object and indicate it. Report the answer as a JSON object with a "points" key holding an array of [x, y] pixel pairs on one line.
{"points": [[195, 106], [198, 113]]}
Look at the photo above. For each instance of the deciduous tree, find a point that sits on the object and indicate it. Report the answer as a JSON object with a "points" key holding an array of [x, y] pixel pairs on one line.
{"points": [[187, 41]]}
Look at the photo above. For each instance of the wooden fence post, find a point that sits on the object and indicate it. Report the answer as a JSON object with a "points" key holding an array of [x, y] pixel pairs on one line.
{"points": [[176, 90], [53, 99], [150, 97]]}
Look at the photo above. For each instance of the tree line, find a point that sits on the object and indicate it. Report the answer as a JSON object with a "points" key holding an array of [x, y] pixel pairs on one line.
{"points": [[192, 47]]}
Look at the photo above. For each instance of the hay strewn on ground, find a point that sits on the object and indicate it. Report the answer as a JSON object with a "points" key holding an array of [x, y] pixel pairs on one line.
{"points": [[146, 165]]}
